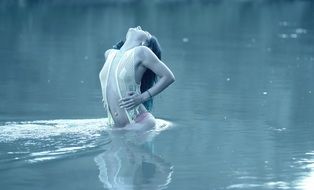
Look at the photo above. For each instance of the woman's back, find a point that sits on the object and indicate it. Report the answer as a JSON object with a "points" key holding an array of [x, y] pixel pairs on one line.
{"points": [[117, 79]]}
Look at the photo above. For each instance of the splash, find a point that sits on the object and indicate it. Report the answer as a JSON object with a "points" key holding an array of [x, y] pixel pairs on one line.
{"points": [[43, 129], [43, 140]]}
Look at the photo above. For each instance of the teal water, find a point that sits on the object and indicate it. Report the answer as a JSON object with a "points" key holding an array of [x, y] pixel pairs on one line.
{"points": [[240, 111]]}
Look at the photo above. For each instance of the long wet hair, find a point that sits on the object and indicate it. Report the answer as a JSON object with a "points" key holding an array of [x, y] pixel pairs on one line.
{"points": [[149, 77]]}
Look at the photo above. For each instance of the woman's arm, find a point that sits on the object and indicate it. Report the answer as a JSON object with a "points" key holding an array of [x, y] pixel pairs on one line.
{"points": [[149, 60]]}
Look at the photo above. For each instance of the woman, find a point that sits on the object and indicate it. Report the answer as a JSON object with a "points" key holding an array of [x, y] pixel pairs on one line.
{"points": [[127, 80]]}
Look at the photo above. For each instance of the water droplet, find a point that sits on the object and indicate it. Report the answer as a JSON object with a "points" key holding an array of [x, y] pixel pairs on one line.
{"points": [[265, 93], [300, 31], [185, 40], [228, 79], [283, 36], [293, 35]]}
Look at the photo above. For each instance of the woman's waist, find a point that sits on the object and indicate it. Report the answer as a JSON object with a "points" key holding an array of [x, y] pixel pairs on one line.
{"points": [[122, 116]]}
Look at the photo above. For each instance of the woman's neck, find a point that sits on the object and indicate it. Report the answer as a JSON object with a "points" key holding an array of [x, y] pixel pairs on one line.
{"points": [[129, 45]]}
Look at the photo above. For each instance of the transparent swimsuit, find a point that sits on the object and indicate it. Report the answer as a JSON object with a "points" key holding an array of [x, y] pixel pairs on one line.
{"points": [[124, 77]]}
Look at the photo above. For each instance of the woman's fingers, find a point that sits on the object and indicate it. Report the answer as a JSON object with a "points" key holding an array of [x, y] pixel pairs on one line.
{"points": [[130, 95], [128, 106], [128, 102], [125, 99]]}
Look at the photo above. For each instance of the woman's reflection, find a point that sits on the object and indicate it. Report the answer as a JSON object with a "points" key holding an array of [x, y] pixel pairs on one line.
{"points": [[130, 162]]}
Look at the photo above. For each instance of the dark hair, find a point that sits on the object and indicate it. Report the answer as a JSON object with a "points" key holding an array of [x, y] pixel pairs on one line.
{"points": [[149, 77]]}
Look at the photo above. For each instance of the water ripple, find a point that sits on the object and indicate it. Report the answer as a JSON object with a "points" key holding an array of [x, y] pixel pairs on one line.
{"points": [[42, 140], [35, 141]]}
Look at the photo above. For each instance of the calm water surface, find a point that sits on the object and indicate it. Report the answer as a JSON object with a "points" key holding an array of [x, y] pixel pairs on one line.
{"points": [[239, 116]]}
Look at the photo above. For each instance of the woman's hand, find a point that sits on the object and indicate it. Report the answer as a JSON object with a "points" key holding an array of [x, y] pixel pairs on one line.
{"points": [[131, 100]]}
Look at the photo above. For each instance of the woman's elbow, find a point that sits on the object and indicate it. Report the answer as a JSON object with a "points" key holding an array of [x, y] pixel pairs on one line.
{"points": [[168, 78], [171, 78]]}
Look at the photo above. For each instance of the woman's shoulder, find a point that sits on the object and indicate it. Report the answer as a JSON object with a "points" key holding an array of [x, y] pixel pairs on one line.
{"points": [[108, 51], [142, 52], [142, 49]]}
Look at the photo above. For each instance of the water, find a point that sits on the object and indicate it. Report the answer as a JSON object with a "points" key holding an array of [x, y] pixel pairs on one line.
{"points": [[240, 110], [41, 150]]}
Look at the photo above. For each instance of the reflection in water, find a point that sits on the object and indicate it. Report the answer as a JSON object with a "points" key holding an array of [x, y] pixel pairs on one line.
{"points": [[128, 164], [306, 182]]}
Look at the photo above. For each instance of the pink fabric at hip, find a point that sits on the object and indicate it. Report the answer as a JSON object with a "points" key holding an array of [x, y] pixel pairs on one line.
{"points": [[140, 117]]}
